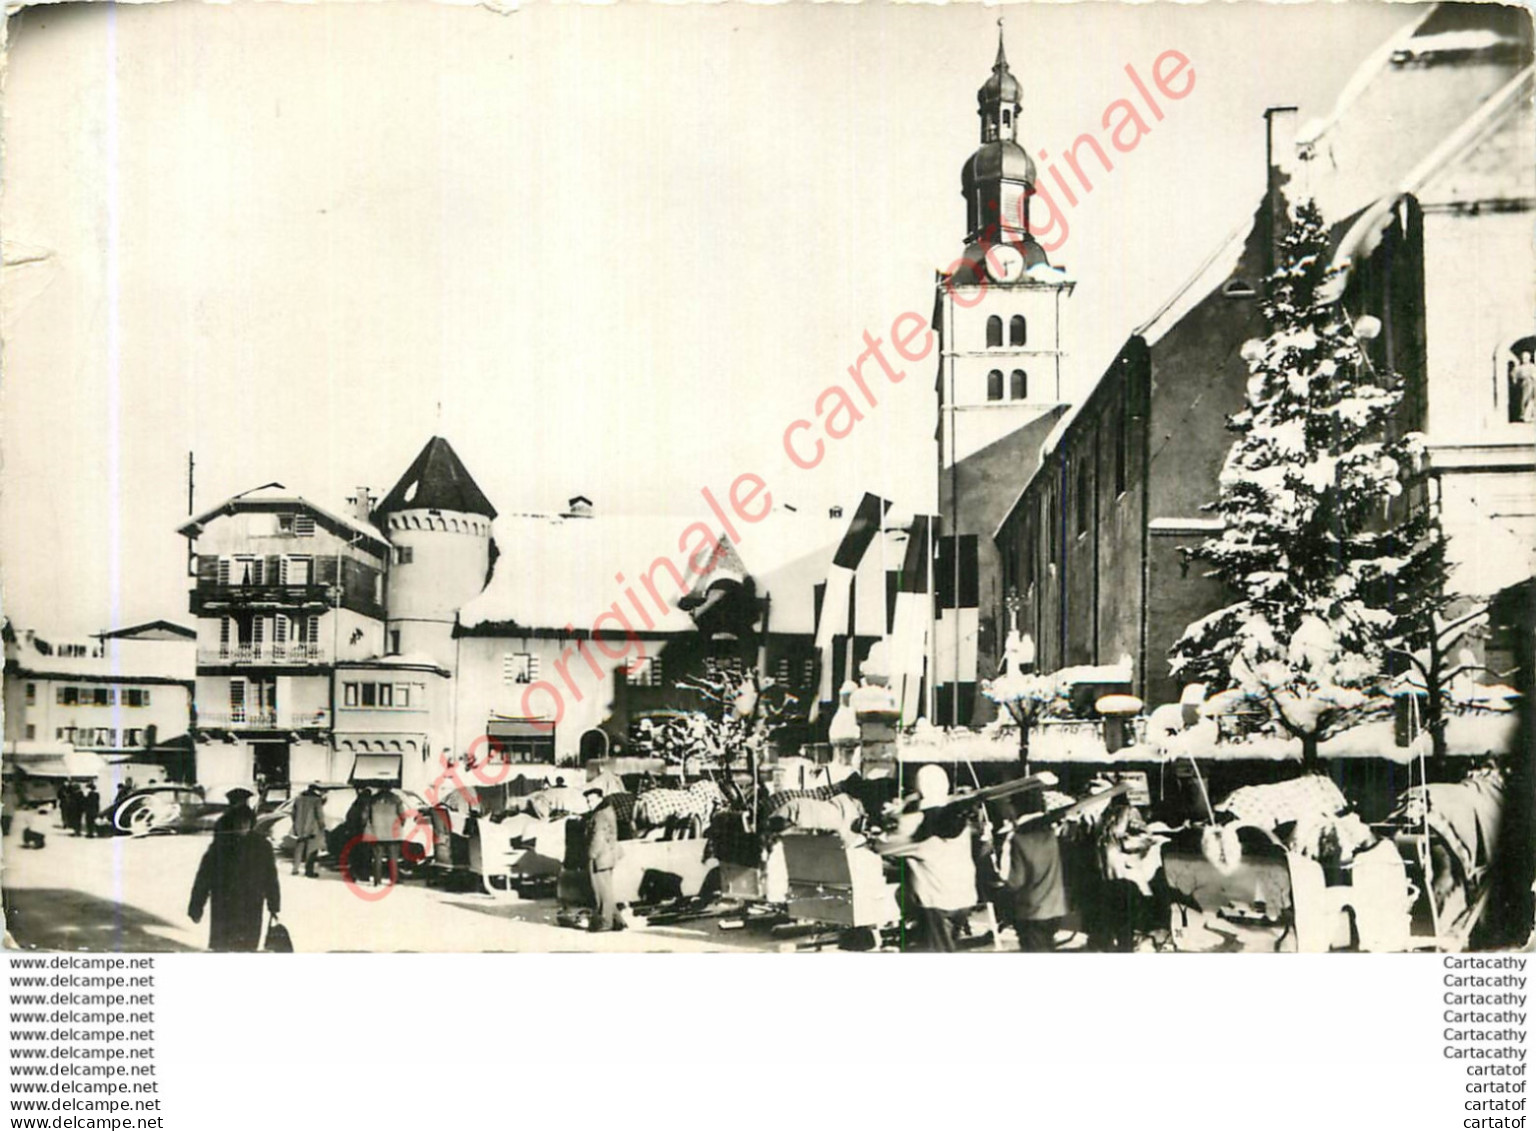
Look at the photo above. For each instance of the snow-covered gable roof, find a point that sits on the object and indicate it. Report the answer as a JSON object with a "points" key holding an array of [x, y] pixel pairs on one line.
{"points": [[1442, 170], [1408, 98], [556, 571], [274, 497], [151, 630]]}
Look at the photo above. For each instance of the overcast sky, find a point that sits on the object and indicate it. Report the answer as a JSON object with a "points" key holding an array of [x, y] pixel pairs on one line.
{"points": [[611, 250]]}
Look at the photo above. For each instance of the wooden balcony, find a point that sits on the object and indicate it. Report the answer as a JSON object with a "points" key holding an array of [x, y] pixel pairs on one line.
{"points": [[214, 597]]}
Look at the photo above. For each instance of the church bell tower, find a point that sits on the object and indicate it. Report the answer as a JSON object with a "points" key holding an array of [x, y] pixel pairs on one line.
{"points": [[1001, 387]]}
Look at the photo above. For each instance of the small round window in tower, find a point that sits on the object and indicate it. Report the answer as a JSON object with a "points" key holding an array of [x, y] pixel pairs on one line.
{"points": [[995, 385], [1018, 385], [994, 332], [1017, 330]]}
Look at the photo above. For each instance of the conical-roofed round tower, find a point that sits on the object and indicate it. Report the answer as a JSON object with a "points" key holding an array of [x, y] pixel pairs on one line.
{"points": [[438, 522]]}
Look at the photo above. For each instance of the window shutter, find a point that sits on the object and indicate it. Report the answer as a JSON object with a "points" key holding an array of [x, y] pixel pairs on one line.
{"points": [[312, 630], [237, 700], [304, 525], [280, 629], [223, 572]]}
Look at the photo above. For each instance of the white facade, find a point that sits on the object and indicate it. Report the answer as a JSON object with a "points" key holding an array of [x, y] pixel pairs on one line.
{"points": [[988, 391], [440, 560]]}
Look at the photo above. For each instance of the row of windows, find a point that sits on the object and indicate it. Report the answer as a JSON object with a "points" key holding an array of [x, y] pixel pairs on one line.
{"points": [[95, 736], [1017, 331], [279, 629], [249, 569], [1018, 385], [70, 696], [362, 694]]}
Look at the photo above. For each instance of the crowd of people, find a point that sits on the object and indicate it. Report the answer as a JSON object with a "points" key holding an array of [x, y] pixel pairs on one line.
{"points": [[80, 810], [1014, 856], [237, 878]]}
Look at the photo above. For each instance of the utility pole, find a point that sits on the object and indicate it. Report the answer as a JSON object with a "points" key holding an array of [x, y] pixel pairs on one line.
{"points": [[191, 554]]}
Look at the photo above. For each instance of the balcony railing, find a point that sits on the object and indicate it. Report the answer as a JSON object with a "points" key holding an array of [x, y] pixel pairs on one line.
{"points": [[263, 718], [262, 654]]}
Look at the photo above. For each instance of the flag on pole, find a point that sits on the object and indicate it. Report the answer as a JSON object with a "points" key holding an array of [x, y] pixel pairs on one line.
{"points": [[909, 632], [837, 607]]}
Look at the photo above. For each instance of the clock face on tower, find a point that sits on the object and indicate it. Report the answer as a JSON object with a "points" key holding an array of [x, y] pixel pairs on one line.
{"points": [[1005, 263]]}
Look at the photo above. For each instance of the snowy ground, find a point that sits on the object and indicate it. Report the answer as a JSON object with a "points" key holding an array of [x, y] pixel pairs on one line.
{"points": [[131, 894]]}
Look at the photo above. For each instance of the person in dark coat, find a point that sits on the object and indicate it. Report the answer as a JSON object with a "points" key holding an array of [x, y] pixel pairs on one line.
{"points": [[90, 809], [355, 823], [602, 857], [308, 829], [237, 881], [1034, 878], [61, 795], [69, 807]]}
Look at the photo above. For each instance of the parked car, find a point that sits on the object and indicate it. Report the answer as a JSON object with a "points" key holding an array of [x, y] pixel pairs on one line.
{"points": [[336, 801], [166, 808]]}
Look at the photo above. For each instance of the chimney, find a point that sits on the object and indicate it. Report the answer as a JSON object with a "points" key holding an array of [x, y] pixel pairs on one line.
{"points": [[362, 503], [1281, 169], [835, 512]]}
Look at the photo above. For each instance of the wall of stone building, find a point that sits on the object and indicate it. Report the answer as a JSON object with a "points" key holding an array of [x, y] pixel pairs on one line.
{"points": [[1082, 605], [1480, 295], [1198, 380], [1178, 595]]}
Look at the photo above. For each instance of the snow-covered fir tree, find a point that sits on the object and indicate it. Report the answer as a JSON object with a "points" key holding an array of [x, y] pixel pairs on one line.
{"points": [[1325, 557]]}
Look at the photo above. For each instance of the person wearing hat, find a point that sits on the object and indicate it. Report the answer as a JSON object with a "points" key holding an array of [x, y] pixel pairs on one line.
{"points": [[308, 829], [238, 810], [236, 881], [937, 844], [1034, 879], [602, 857]]}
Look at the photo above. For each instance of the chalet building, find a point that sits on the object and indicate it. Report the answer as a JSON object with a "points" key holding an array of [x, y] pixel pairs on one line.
{"points": [[1002, 382], [590, 622], [115, 707], [283, 591], [1091, 546]]}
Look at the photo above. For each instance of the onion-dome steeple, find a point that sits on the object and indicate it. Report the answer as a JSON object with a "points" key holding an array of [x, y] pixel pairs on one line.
{"points": [[999, 177]]}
